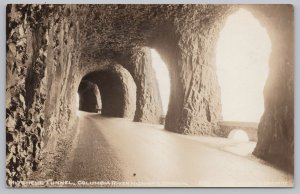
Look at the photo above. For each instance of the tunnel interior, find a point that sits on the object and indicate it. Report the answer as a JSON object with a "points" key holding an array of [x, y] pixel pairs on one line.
{"points": [[51, 49], [89, 97], [110, 91]]}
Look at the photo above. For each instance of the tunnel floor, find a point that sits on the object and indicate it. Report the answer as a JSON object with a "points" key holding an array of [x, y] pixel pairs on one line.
{"points": [[138, 154]]}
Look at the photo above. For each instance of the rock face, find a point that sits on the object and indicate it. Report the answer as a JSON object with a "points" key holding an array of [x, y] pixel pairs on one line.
{"points": [[276, 127], [89, 97], [194, 106], [148, 103], [51, 48], [41, 46]]}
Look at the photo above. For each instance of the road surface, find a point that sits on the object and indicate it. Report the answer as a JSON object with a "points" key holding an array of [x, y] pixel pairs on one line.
{"points": [[138, 154]]}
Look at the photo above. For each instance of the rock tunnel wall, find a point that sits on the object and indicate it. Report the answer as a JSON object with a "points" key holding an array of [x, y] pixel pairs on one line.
{"points": [[276, 127], [89, 97], [195, 106], [41, 46]]}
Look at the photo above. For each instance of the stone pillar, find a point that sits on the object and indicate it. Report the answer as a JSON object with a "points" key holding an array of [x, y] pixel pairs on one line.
{"points": [[195, 106], [148, 102]]}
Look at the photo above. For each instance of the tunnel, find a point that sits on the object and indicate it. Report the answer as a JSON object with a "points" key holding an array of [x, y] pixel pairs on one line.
{"points": [[117, 89], [103, 53], [89, 97]]}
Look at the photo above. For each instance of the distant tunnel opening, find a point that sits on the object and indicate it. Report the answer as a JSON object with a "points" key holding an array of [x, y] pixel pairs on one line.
{"points": [[110, 91], [89, 98], [243, 52]]}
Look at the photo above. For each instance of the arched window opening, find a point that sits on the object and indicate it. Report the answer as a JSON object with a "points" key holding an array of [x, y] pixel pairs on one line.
{"points": [[163, 79], [243, 51]]}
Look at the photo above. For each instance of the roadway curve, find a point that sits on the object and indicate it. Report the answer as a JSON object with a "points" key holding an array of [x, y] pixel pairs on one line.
{"points": [[138, 154]]}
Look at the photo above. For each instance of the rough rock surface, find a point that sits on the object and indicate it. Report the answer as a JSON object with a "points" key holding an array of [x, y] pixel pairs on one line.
{"points": [[194, 106], [148, 103], [89, 97], [276, 127], [50, 48], [41, 46]]}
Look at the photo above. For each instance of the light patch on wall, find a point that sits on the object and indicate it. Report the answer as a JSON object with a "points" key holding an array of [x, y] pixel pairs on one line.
{"points": [[77, 104], [163, 78], [243, 52]]}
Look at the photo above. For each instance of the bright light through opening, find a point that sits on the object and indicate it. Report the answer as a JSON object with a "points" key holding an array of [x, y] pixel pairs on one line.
{"points": [[243, 52], [163, 78]]}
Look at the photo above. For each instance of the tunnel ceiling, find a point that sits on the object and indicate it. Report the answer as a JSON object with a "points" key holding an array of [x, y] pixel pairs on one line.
{"points": [[111, 29]]}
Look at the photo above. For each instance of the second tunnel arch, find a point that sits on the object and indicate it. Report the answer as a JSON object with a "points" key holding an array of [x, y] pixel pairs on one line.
{"points": [[117, 90]]}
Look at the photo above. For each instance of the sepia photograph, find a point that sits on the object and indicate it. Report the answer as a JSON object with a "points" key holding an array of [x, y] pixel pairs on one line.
{"points": [[149, 95]]}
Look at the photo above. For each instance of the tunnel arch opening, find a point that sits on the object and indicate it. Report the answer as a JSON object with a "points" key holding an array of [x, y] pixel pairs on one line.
{"points": [[242, 59], [89, 98], [110, 91], [163, 80]]}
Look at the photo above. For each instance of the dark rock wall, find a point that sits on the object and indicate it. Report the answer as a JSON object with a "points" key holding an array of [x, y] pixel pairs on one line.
{"points": [[276, 127], [89, 97], [40, 50]]}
